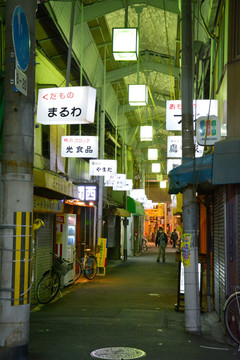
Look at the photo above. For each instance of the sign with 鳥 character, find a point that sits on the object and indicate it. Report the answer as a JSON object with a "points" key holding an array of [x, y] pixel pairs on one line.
{"points": [[79, 146], [102, 167], [69, 105]]}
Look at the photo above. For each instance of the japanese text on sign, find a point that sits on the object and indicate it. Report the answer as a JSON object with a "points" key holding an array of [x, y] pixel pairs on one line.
{"points": [[70, 105], [102, 167], [200, 108], [87, 192], [79, 146]]}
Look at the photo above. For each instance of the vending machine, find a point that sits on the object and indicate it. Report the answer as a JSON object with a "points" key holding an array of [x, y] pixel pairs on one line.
{"points": [[65, 242]]}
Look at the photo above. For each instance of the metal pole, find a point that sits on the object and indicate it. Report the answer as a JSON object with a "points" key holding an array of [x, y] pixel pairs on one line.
{"points": [[70, 44], [191, 296], [17, 199], [101, 153]]}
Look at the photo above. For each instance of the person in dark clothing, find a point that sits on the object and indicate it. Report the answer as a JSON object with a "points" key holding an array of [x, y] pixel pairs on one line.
{"points": [[174, 238], [161, 242]]}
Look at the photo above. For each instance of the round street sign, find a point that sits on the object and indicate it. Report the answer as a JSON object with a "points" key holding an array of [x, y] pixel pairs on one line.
{"points": [[21, 38]]}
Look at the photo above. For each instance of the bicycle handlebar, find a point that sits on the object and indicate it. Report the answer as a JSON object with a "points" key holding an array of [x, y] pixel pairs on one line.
{"points": [[59, 257]]}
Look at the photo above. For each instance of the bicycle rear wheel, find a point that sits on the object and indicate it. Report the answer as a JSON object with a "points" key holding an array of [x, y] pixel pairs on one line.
{"points": [[232, 318], [48, 287], [78, 270], [91, 267]]}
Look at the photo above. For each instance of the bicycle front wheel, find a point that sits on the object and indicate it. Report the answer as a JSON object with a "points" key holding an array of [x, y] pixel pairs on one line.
{"points": [[232, 318], [91, 267], [78, 270], [48, 287]]}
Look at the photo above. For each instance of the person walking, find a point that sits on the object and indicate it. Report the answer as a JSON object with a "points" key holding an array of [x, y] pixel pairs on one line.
{"points": [[161, 242], [174, 238]]}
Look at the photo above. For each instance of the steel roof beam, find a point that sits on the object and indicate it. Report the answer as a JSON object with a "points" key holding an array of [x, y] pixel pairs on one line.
{"points": [[104, 7], [145, 65]]}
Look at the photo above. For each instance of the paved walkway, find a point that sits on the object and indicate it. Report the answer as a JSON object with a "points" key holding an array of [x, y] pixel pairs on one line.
{"points": [[133, 306]]}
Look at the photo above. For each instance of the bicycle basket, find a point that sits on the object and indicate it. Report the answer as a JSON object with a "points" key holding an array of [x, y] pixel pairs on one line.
{"points": [[61, 267]]}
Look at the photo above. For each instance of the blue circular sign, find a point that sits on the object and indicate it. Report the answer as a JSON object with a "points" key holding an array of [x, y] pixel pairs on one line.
{"points": [[21, 38]]}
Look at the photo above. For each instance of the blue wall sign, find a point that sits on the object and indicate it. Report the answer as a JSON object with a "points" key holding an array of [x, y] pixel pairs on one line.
{"points": [[21, 38]]}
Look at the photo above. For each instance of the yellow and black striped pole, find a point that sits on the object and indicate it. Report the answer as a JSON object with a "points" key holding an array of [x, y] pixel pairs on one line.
{"points": [[22, 258]]}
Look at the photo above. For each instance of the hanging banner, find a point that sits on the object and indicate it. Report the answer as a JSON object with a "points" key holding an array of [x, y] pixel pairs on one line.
{"points": [[200, 108], [69, 105], [102, 167], [79, 146], [185, 249]]}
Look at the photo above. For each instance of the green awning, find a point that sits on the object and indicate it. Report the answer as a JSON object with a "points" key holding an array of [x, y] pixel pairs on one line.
{"points": [[134, 207]]}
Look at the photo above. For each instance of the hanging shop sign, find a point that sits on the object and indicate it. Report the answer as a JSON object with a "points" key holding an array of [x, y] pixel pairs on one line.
{"points": [[79, 146], [69, 105], [174, 147], [138, 195], [200, 108], [87, 192], [120, 181], [102, 167], [173, 163], [208, 130], [128, 185]]}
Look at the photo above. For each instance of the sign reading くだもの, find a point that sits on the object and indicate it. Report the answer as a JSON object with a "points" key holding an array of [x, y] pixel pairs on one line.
{"points": [[69, 105]]}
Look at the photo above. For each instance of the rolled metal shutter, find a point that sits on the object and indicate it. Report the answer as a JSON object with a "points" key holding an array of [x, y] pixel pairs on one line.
{"points": [[43, 244], [219, 258]]}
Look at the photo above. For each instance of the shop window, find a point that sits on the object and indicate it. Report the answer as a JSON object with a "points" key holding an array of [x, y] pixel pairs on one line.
{"points": [[74, 129], [46, 141]]}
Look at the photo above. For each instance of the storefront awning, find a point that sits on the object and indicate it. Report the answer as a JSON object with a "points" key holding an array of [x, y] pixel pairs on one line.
{"points": [[121, 212], [190, 173], [134, 207]]}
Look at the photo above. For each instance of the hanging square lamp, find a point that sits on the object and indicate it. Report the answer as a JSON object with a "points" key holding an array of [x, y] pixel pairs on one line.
{"points": [[146, 133], [156, 167], [138, 95], [152, 154], [163, 184], [125, 44]]}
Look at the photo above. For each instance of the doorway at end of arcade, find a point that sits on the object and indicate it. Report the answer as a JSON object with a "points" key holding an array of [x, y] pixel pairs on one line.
{"points": [[162, 215]]}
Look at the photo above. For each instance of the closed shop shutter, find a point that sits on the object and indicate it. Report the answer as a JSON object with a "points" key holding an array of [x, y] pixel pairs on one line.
{"points": [[238, 238], [219, 258], [43, 244]]}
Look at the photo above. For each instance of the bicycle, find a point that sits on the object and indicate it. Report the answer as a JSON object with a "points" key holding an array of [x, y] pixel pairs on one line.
{"points": [[232, 316], [50, 282], [88, 266]]}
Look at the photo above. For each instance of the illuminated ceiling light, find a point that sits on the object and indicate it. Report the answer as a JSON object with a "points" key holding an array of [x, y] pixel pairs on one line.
{"points": [[146, 133], [138, 95], [125, 44], [152, 154], [163, 184], [156, 167]]}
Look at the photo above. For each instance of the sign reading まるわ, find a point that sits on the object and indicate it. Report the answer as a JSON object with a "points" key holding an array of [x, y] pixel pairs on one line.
{"points": [[69, 105]]}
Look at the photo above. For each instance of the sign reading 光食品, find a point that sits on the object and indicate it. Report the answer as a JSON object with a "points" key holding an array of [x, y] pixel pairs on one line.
{"points": [[69, 105], [79, 146]]}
